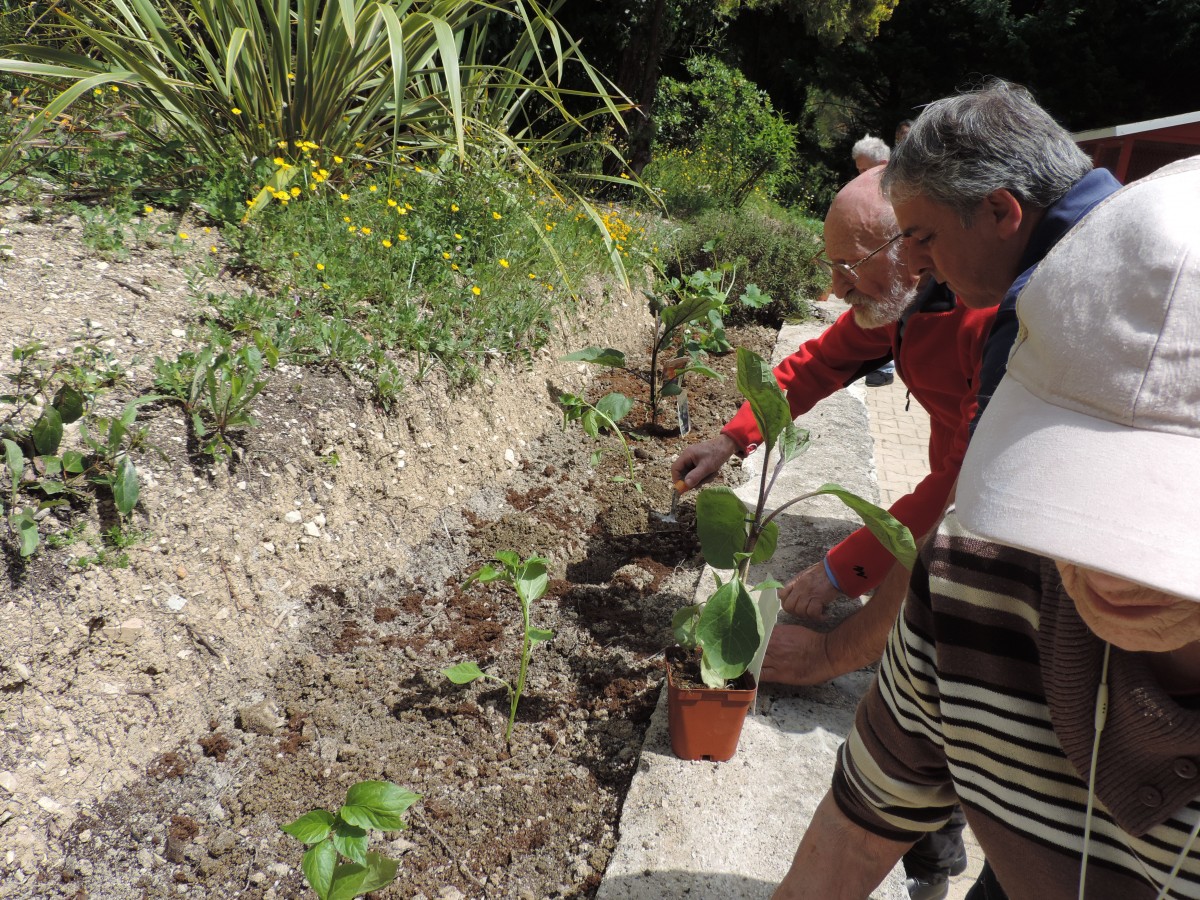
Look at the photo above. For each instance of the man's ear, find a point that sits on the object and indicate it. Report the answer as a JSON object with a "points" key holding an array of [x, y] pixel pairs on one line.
{"points": [[1004, 210]]}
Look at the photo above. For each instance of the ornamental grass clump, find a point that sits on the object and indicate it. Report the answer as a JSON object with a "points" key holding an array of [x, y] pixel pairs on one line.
{"points": [[728, 628]]}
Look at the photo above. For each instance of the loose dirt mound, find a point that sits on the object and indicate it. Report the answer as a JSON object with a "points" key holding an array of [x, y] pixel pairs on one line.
{"points": [[280, 633]]}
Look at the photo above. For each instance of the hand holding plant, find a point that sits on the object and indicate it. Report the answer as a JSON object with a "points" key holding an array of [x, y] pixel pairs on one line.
{"points": [[728, 627]]}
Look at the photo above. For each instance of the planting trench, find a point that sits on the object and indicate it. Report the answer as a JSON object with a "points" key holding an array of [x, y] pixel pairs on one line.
{"points": [[160, 722]]}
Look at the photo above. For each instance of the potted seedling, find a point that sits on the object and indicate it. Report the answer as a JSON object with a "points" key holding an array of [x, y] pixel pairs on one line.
{"points": [[724, 636]]}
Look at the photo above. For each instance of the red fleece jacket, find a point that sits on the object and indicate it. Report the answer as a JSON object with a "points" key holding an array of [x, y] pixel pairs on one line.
{"points": [[937, 357]]}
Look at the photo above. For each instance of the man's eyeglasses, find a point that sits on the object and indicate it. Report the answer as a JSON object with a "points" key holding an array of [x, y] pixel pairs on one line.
{"points": [[848, 272]]}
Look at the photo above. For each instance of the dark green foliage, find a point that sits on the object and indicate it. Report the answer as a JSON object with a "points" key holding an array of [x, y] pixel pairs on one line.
{"points": [[770, 251]]}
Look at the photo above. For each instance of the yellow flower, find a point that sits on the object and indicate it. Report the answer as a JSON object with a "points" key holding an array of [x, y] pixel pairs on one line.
{"points": [[183, 236], [291, 76], [295, 254], [623, 175], [532, 277], [147, 209], [372, 189], [325, 285], [279, 161], [338, 160], [366, 230], [295, 191], [445, 254], [282, 145], [207, 230], [391, 202], [346, 219], [236, 111], [212, 249], [320, 267], [402, 211], [345, 196], [457, 236], [496, 215], [96, 91], [115, 89], [453, 207], [417, 169], [476, 290], [402, 236], [408, 206], [353, 229], [386, 242], [504, 263], [549, 226], [454, 266]]}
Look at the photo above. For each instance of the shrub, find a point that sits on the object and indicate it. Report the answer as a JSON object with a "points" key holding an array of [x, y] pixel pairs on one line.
{"points": [[774, 251], [723, 129]]}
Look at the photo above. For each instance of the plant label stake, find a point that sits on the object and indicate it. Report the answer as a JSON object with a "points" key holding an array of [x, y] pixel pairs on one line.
{"points": [[681, 410]]}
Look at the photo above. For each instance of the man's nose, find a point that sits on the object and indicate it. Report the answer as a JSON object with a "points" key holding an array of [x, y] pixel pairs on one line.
{"points": [[917, 259]]}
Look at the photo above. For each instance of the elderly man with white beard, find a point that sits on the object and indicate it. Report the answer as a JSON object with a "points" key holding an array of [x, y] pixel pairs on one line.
{"points": [[937, 345]]}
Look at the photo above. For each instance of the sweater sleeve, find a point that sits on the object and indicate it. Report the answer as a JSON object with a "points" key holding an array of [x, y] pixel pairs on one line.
{"points": [[817, 369], [859, 562], [891, 776]]}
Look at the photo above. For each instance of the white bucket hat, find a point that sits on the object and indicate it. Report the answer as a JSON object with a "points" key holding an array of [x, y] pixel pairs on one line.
{"points": [[1089, 451]]}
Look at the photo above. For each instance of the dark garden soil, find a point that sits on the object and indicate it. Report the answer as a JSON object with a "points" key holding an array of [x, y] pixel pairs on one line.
{"points": [[280, 633]]}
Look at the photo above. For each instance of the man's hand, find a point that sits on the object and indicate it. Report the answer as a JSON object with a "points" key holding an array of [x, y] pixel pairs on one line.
{"points": [[797, 655], [698, 463], [809, 593]]}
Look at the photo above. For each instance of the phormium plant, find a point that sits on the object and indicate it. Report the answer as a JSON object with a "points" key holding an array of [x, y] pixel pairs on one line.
{"points": [[728, 627], [529, 580]]}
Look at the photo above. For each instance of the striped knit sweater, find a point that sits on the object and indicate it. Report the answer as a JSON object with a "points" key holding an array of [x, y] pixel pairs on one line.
{"points": [[987, 693]]}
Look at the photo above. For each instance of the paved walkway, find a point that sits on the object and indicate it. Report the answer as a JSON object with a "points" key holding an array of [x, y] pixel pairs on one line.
{"points": [[901, 460]]}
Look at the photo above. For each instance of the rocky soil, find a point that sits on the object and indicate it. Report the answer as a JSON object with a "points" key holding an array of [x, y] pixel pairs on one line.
{"points": [[280, 630]]}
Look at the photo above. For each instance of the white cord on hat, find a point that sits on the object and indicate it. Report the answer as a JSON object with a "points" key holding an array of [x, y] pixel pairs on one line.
{"points": [[1101, 717]]}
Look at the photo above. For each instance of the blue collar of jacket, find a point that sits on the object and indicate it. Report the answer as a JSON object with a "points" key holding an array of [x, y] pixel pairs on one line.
{"points": [[1059, 218]]}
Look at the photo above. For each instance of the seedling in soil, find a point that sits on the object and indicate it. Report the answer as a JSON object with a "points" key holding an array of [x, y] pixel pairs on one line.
{"points": [[529, 579], [728, 627], [610, 410], [370, 806]]}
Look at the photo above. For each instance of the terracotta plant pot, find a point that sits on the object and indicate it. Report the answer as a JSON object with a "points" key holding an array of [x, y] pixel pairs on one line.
{"points": [[705, 723]]}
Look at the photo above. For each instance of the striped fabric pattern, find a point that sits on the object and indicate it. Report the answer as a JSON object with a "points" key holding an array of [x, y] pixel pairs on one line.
{"points": [[986, 694]]}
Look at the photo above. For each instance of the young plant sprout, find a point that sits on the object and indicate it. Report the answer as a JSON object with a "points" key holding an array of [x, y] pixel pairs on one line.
{"points": [[529, 579], [728, 626], [370, 806]]}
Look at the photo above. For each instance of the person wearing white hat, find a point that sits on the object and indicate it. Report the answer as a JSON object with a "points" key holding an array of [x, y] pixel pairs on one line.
{"points": [[1045, 671]]}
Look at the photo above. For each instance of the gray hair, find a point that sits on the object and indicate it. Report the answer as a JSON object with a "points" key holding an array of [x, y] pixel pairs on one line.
{"points": [[964, 147], [872, 148]]}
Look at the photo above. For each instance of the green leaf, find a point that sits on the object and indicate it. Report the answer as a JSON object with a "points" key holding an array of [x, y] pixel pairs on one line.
{"points": [[125, 486], [463, 673], [889, 531], [671, 388], [486, 574], [689, 309], [15, 460], [27, 530], [349, 840], [756, 382], [49, 465], [72, 461], [730, 632], [347, 882], [312, 827], [318, 864], [539, 635], [764, 549], [683, 626], [615, 406], [47, 431], [381, 872], [754, 298], [600, 356], [69, 403], [721, 526], [508, 559], [533, 579], [378, 804]]}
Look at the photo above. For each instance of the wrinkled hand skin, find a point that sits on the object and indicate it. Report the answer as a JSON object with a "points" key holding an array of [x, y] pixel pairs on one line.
{"points": [[797, 656], [698, 464], [809, 594]]}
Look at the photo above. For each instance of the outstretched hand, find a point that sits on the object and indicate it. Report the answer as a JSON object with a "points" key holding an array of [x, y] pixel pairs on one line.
{"points": [[798, 656], [699, 463], [809, 594]]}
